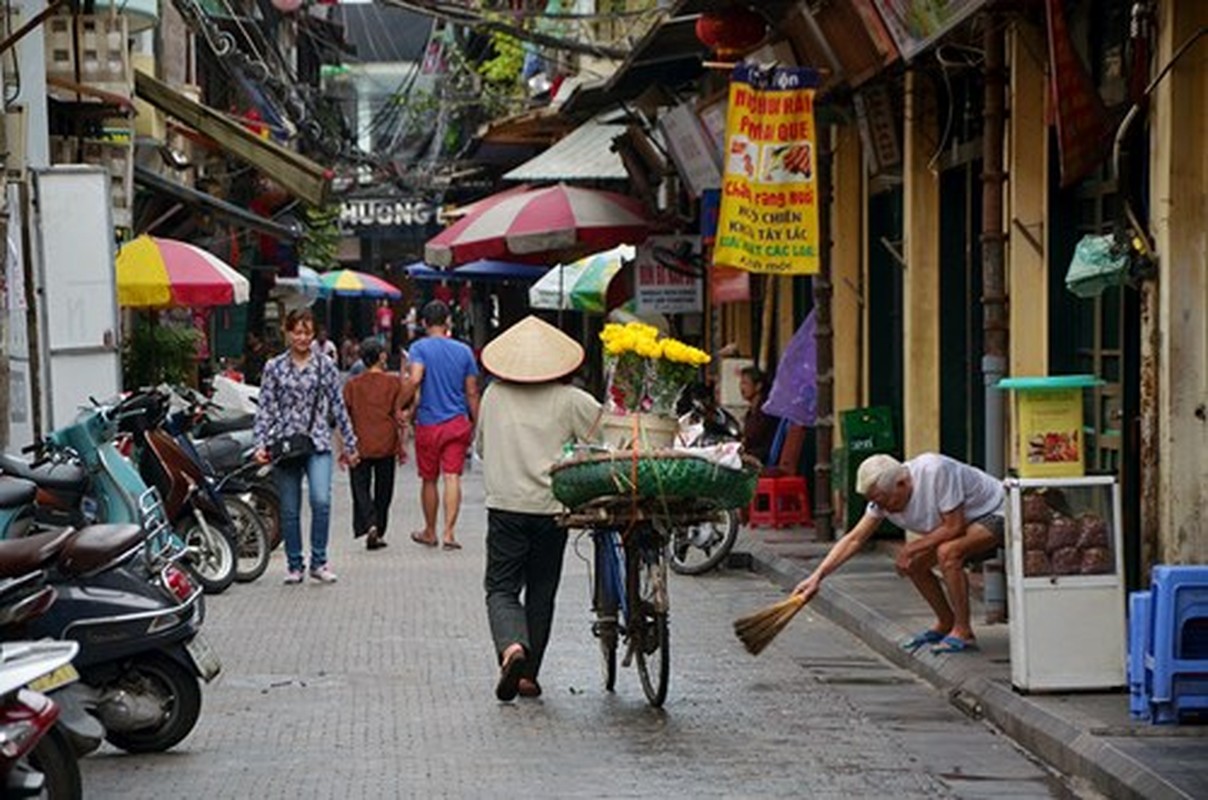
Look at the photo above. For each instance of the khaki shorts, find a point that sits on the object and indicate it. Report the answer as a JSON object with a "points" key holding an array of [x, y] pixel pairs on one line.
{"points": [[997, 525]]}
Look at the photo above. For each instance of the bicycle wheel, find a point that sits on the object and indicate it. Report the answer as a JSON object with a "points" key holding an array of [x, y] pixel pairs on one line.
{"points": [[606, 631], [605, 602], [649, 631]]}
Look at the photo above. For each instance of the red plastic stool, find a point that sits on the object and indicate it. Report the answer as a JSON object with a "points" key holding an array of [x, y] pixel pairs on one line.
{"points": [[780, 502]]}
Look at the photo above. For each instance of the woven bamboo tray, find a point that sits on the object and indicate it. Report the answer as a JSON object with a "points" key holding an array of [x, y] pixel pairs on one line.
{"points": [[654, 478]]}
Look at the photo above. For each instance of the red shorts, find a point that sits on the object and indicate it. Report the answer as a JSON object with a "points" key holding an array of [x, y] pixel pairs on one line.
{"points": [[442, 447]]}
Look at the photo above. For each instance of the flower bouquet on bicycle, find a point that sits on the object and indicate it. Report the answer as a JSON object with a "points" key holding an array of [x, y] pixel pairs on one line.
{"points": [[637, 490]]}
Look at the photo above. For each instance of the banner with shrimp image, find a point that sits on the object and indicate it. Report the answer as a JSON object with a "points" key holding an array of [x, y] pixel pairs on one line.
{"points": [[769, 210]]}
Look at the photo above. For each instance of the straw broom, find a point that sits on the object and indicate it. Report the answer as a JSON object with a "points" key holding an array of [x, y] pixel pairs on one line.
{"points": [[757, 630]]}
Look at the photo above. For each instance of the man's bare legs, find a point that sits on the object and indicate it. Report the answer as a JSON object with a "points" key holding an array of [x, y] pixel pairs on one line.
{"points": [[452, 505], [429, 501], [928, 585], [952, 557]]}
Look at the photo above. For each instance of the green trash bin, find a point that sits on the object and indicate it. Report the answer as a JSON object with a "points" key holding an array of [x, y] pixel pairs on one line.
{"points": [[866, 432]]}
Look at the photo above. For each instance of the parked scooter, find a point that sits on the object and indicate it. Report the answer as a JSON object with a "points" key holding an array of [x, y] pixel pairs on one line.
{"points": [[160, 443], [50, 770], [35, 758], [82, 478], [696, 549], [222, 441], [141, 653]]}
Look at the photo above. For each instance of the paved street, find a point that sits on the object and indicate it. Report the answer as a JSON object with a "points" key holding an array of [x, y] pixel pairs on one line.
{"points": [[382, 686]]}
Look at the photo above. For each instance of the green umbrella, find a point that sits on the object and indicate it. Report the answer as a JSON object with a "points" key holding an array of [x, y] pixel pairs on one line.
{"points": [[580, 285]]}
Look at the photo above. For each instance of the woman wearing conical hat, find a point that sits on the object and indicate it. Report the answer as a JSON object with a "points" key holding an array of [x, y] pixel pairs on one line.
{"points": [[527, 415]]}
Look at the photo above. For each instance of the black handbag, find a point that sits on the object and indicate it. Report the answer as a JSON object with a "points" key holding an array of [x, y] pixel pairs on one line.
{"points": [[297, 447]]}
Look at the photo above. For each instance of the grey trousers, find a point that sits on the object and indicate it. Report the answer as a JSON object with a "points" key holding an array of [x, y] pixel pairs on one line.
{"points": [[524, 555]]}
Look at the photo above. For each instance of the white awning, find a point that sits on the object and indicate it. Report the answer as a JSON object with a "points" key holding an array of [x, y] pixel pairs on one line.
{"points": [[583, 154]]}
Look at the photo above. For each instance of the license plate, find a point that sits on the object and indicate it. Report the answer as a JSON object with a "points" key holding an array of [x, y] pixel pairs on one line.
{"points": [[204, 658], [60, 677]]}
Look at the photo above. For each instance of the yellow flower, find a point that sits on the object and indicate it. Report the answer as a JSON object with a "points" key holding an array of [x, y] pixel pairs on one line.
{"points": [[649, 348]]}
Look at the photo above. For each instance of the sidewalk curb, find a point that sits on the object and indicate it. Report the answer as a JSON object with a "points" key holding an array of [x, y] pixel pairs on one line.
{"points": [[1068, 748]]}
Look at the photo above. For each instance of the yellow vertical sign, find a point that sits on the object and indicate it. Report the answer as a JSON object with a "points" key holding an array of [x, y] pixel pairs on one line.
{"points": [[769, 210]]}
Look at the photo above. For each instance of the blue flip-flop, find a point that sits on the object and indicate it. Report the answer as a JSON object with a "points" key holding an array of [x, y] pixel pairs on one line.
{"points": [[952, 644], [921, 638]]}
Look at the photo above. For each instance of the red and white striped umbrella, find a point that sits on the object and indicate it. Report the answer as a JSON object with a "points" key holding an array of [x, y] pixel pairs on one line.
{"points": [[551, 224]]}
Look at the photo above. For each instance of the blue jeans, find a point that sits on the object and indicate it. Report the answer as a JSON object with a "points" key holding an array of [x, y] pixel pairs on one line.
{"points": [[317, 468]]}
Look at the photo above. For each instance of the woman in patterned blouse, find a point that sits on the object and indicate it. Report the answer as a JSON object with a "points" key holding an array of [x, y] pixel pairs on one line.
{"points": [[287, 406]]}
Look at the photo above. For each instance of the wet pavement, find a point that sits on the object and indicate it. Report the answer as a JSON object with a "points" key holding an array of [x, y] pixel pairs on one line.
{"points": [[382, 686]]}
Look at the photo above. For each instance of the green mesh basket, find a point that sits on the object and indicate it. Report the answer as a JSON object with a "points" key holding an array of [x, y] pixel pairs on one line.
{"points": [[669, 475]]}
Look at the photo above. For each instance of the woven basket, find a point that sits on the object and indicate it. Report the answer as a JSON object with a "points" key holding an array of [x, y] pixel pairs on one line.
{"points": [[659, 474]]}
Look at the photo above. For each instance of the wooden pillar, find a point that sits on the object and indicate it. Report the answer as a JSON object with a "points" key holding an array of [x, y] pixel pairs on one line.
{"points": [[921, 284], [1027, 201], [847, 218]]}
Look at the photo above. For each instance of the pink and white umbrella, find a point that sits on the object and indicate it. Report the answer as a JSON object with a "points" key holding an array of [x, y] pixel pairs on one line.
{"points": [[551, 224]]}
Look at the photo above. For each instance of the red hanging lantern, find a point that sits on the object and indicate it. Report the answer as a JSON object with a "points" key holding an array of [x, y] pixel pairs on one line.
{"points": [[731, 32]]}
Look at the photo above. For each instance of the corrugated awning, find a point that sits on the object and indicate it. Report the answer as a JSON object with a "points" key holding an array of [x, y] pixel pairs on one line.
{"points": [[294, 172], [584, 154], [230, 211]]}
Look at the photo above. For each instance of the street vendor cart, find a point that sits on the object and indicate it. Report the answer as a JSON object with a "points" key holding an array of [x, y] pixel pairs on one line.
{"points": [[630, 501]]}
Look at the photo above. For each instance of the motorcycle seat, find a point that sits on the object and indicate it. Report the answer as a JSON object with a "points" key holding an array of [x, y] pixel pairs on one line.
{"points": [[213, 427], [23, 556], [222, 453], [97, 546], [59, 476], [16, 492]]}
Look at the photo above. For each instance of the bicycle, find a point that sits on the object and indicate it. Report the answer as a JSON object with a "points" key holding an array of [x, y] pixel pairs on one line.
{"points": [[631, 604]]}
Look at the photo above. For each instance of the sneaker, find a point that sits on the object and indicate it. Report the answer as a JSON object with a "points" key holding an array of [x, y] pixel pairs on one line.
{"points": [[294, 576], [323, 574]]}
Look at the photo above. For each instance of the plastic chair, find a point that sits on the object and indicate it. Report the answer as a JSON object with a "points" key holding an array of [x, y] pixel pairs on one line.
{"points": [[1140, 634], [780, 502], [1177, 668]]}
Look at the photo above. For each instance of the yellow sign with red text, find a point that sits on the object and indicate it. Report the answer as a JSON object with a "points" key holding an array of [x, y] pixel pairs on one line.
{"points": [[769, 210]]}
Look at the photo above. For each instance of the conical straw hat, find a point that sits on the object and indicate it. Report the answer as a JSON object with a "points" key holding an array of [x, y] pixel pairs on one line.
{"points": [[532, 351]]}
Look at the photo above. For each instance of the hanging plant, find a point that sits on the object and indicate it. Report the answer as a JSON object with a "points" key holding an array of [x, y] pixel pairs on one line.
{"points": [[508, 61], [321, 241]]}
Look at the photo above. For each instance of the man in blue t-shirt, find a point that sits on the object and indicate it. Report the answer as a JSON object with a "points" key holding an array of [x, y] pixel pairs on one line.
{"points": [[445, 374]]}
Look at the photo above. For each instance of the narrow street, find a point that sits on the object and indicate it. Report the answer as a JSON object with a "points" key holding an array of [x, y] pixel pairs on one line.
{"points": [[382, 686]]}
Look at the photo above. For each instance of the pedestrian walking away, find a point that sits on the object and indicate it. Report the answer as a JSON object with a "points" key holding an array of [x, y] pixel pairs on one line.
{"points": [[958, 509], [444, 373], [374, 401], [528, 415], [299, 395]]}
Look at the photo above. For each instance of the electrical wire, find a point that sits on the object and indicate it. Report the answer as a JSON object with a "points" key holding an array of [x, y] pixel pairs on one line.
{"points": [[946, 65]]}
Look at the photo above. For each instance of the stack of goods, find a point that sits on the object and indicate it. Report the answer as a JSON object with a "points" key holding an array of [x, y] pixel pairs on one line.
{"points": [[1057, 541]]}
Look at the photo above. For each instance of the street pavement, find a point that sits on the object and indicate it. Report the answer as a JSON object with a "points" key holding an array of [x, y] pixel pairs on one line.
{"points": [[1087, 734], [382, 686]]}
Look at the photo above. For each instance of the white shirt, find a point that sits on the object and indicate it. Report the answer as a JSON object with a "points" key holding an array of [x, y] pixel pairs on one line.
{"points": [[941, 485]]}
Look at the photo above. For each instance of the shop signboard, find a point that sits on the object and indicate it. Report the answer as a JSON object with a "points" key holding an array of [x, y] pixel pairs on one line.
{"points": [[362, 214], [695, 157], [769, 210], [668, 278], [916, 24]]}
